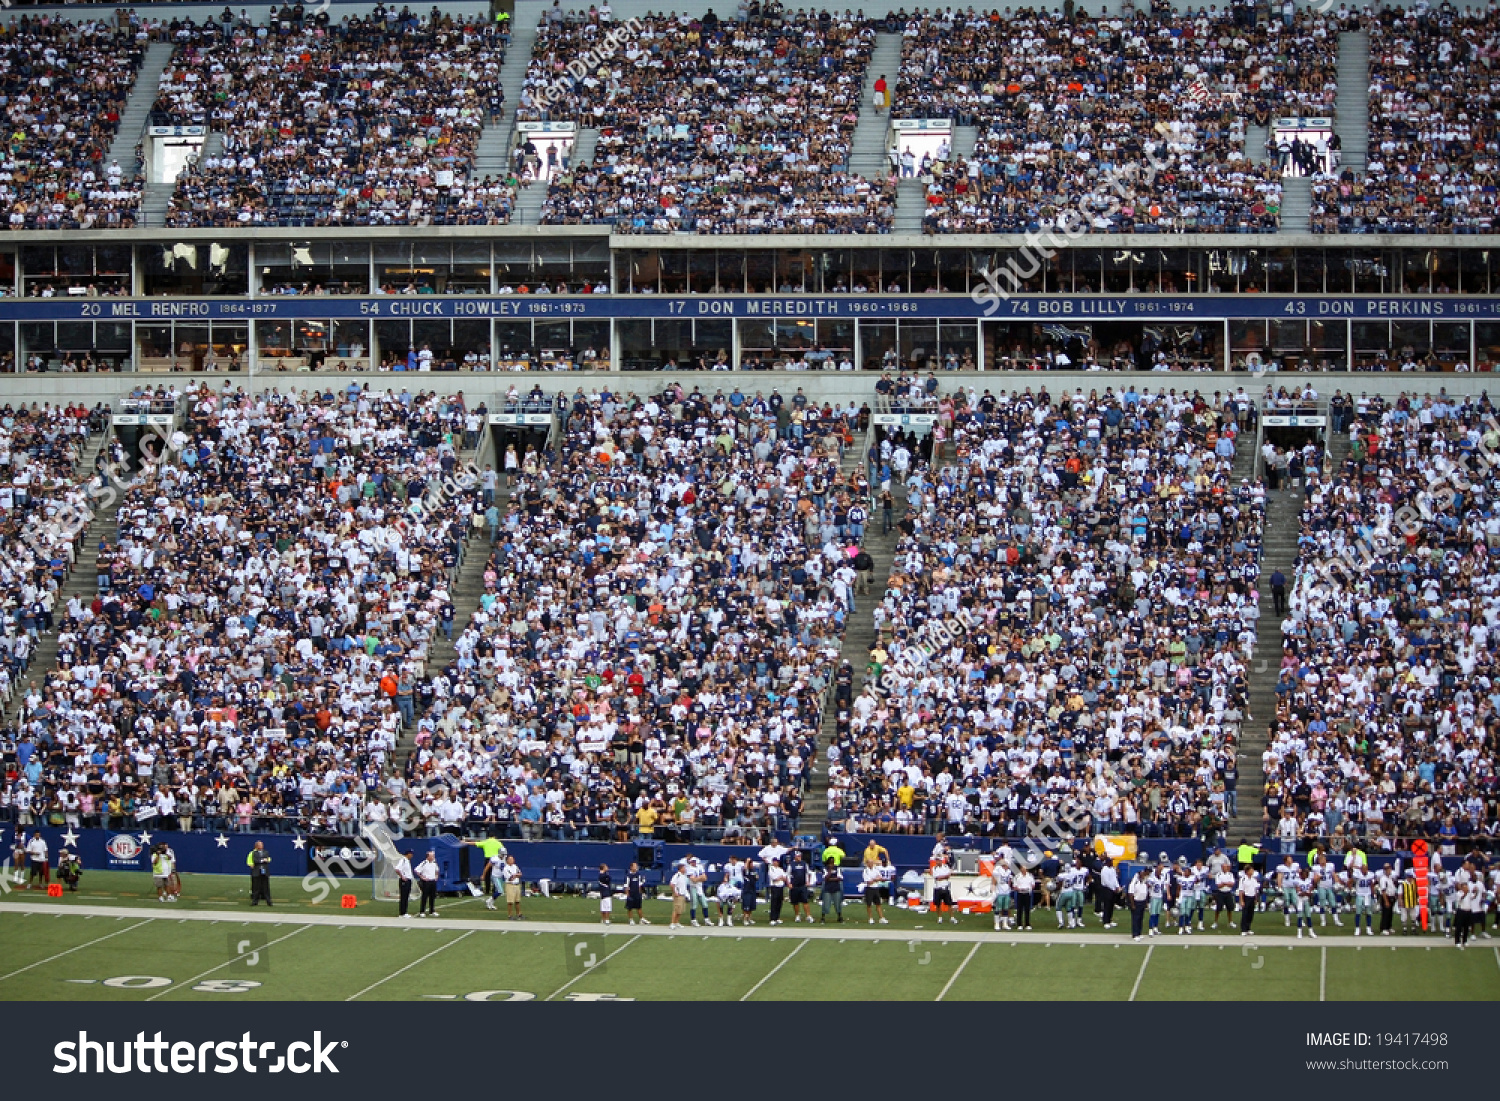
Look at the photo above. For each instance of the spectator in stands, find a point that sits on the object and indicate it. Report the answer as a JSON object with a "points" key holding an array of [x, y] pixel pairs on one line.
{"points": [[1116, 124], [1102, 568], [64, 87], [713, 126], [1383, 711], [378, 124]]}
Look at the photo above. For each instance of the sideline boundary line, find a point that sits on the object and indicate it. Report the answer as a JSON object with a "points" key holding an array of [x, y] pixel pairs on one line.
{"points": [[963, 936]]}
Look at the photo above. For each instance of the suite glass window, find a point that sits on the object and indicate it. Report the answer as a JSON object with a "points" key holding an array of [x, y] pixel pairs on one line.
{"points": [[75, 269], [1486, 344], [192, 268], [313, 267]]}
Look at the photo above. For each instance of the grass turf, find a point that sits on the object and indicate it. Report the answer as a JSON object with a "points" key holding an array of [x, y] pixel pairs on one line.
{"points": [[145, 952]]}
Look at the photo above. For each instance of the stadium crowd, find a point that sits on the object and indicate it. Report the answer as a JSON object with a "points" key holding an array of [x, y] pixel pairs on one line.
{"points": [[41, 490], [713, 125], [63, 86], [1096, 570], [1433, 150], [1386, 721], [261, 619], [369, 121], [1142, 116], [662, 615]]}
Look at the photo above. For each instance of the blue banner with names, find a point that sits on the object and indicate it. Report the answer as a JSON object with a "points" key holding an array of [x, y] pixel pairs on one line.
{"points": [[1046, 309]]}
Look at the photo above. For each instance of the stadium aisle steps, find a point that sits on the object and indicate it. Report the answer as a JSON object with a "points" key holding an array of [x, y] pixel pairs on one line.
{"points": [[1283, 524], [468, 587], [1255, 142], [868, 154], [859, 636], [529, 203], [965, 138], [911, 201], [82, 582], [137, 113], [1296, 204], [583, 148], [1353, 103], [492, 154], [154, 203]]}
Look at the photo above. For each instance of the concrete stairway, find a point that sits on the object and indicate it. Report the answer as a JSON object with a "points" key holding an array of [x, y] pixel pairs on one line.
{"points": [[82, 582], [867, 149], [1296, 203], [468, 587], [583, 148], [154, 203], [529, 203], [1353, 104], [964, 140], [1255, 142], [1279, 552], [859, 636], [137, 114], [492, 155], [911, 203]]}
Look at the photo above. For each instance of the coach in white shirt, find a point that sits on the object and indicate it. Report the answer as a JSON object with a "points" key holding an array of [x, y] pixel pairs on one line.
{"points": [[427, 873], [403, 882], [36, 856], [1109, 893]]}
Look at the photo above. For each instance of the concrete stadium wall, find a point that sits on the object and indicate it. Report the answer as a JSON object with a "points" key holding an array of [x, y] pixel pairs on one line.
{"points": [[819, 386]]}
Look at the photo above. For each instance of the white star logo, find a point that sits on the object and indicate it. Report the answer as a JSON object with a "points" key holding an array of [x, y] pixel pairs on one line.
{"points": [[221, 841], [145, 839], [69, 837], [299, 842]]}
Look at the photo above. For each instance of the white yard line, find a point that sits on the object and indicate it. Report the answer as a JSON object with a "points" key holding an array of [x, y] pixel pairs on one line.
{"points": [[1142, 973], [1323, 974], [78, 948], [591, 970], [949, 984], [226, 963], [769, 974], [409, 966]]}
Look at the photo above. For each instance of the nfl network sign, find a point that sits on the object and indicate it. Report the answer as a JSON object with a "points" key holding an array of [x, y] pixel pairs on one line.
{"points": [[124, 851]]}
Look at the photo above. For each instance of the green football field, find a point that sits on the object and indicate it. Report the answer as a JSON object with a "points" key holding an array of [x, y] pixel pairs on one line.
{"points": [[113, 942]]}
